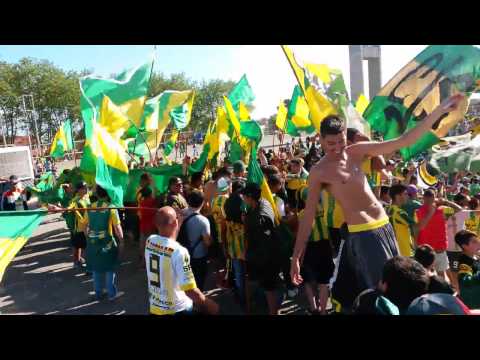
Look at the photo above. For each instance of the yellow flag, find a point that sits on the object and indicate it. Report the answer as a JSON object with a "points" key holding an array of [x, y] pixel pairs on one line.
{"points": [[243, 112], [319, 106], [362, 104], [321, 71], [281, 116], [297, 69], [232, 115]]}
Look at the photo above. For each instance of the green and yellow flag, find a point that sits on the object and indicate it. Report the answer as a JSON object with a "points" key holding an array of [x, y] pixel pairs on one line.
{"points": [[127, 90], [16, 227], [62, 141], [298, 115], [252, 131], [109, 151], [419, 87], [156, 118], [319, 105]]}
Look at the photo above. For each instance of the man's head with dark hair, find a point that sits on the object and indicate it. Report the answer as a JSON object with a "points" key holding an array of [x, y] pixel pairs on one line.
{"points": [[275, 183], [468, 241], [351, 133], [425, 255], [399, 194], [175, 185], [101, 193], [195, 199], [269, 170], [384, 193], [429, 197], [237, 186], [473, 203], [461, 199], [354, 136], [403, 280], [145, 180], [197, 179], [252, 194], [333, 135]]}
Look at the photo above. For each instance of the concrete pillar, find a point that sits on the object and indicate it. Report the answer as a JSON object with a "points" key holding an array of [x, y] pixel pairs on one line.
{"points": [[374, 77], [356, 71]]}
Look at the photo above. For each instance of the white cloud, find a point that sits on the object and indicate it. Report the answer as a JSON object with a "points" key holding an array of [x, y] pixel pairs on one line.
{"points": [[272, 79]]}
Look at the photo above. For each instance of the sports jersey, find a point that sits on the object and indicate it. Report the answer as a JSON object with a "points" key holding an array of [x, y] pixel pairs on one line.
{"points": [[80, 217], [169, 275], [403, 227], [218, 213], [455, 223], [296, 181], [332, 211], [319, 231], [373, 177], [472, 223], [469, 280]]}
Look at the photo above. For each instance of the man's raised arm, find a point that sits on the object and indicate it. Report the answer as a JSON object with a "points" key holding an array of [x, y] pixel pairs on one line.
{"points": [[410, 137]]}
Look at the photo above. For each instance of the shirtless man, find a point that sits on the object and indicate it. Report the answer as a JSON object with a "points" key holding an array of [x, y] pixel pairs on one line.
{"points": [[371, 240]]}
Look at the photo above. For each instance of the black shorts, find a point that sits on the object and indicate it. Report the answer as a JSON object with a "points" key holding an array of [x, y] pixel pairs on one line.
{"points": [[267, 275], [362, 258], [453, 257], [79, 240], [318, 263], [335, 240]]}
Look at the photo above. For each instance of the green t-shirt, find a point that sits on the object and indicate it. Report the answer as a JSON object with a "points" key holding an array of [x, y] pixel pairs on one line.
{"points": [[411, 206], [474, 189]]}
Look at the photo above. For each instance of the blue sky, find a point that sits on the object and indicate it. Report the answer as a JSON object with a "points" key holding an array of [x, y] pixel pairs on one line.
{"points": [[265, 65]]}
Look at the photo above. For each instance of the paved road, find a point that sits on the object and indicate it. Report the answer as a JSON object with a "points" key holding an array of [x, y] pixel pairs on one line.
{"points": [[41, 280]]}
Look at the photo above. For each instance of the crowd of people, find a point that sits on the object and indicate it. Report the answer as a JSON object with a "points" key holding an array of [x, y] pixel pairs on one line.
{"points": [[350, 229]]}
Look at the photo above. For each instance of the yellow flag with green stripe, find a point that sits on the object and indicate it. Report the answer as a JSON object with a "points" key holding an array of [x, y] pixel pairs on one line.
{"points": [[16, 227], [62, 141]]}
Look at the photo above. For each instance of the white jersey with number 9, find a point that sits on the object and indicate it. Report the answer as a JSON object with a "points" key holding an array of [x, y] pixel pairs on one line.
{"points": [[169, 275]]}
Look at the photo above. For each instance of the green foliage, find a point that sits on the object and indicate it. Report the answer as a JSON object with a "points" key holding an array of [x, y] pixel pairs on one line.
{"points": [[56, 96]]}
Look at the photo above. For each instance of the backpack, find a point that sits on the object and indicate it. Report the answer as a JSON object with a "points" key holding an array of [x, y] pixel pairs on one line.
{"points": [[183, 239]]}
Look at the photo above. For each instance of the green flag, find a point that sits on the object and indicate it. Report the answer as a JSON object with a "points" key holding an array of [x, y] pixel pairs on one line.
{"points": [[241, 92], [62, 141], [419, 87], [16, 227]]}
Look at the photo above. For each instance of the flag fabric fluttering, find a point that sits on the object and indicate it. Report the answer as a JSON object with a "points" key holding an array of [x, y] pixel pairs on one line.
{"points": [[458, 153], [16, 227], [109, 151], [435, 74], [320, 107], [425, 178], [128, 91], [62, 141], [156, 118]]}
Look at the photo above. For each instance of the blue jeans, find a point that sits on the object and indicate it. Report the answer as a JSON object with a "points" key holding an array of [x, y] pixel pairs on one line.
{"points": [[238, 267], [102, 280]]}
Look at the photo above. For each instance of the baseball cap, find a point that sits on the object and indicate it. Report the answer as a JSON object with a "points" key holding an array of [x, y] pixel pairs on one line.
{"points": [[222, 184], [252, 190], [438, 304], [411, 190], [238, 166]]}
